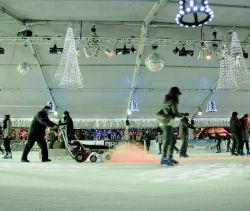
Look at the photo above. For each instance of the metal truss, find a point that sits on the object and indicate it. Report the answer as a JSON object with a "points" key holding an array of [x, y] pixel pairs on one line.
{"points": [[104, 41]]}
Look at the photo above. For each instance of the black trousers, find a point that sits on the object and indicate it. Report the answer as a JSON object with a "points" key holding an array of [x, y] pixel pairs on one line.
{"points": [[6, 143], [30, 143], [236, 143], [246, 142], [184, 145], [218, 145]]}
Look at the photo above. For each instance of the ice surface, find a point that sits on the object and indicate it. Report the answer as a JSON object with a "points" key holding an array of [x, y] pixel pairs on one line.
{"points": [[204, 182]]}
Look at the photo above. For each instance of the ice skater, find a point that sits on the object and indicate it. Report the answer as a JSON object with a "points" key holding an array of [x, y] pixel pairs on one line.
{"points": [[183, 134], [165, 117], [159, 141], [218, 139], [236, 128], [245, 134], [7, 131], [37, 133], [228, 143]]}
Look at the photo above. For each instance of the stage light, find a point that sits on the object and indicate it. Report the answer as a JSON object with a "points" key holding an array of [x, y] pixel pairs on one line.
{"points": [[55, 50], [24, 33], [133, 50], [176, 50], [123, 51], [108, 53], [208, 56], [184, 52]]}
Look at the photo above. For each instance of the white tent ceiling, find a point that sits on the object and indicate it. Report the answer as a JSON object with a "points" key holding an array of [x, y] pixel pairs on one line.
{"points": [[108, 82]]}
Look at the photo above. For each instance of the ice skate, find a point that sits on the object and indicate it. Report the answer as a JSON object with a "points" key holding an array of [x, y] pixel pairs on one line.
{"points": [[8, 155], [166, 162]]}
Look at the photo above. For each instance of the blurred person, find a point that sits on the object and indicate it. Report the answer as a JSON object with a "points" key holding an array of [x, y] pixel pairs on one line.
{"points": [[183, 134], [159, 140], [218, 139], [165, 117], [7, 131], [147, 138], [245, 134], [236, 128], [228, 143], [37, 133]]}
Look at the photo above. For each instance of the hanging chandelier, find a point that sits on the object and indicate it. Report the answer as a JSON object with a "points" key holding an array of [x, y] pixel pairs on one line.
{"points": [[193, 13]]}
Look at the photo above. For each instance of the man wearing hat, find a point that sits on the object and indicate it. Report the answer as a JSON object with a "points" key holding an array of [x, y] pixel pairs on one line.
{"points": [[183, 134], [37, 133]]}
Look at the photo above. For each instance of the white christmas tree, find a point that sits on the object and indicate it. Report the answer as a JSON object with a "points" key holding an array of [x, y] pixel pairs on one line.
{"points": [[237, 61], [69, 71], [226, 77]]}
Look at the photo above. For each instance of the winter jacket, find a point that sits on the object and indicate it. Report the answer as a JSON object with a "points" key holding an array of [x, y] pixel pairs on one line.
{"points": [[8, 130], [235, 125], [39, 124], [70, 127], [245, 132]]}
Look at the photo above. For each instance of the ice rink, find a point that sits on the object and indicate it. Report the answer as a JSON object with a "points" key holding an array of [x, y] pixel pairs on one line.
{"points": [[204, 182]]}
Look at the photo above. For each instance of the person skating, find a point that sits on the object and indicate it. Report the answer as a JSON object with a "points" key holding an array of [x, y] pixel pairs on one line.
{"points": [[245, 134], [183, 134], [159, 141], [228, 143], [218, 139], [165, 117], [37, 133], [236, 128], [7, 131]]}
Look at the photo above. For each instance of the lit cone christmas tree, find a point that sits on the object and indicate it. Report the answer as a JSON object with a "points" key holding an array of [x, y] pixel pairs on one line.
{"points": [[69, 72], [237, 61], [226, 78]]}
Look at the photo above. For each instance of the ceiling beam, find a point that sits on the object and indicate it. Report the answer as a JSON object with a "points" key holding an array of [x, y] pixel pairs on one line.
{"points": [[38, 61], [218, 5], [11, 14], [153, 24], [150, 16]]}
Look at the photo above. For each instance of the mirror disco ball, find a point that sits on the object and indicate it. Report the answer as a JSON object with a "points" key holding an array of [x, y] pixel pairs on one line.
{"points": [[24, 68], [154, 62]]}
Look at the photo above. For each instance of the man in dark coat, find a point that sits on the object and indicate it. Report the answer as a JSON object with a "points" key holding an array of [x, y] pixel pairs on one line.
{"points": [[183, 134], [236, 128], [37, 134], [70, 126]]}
